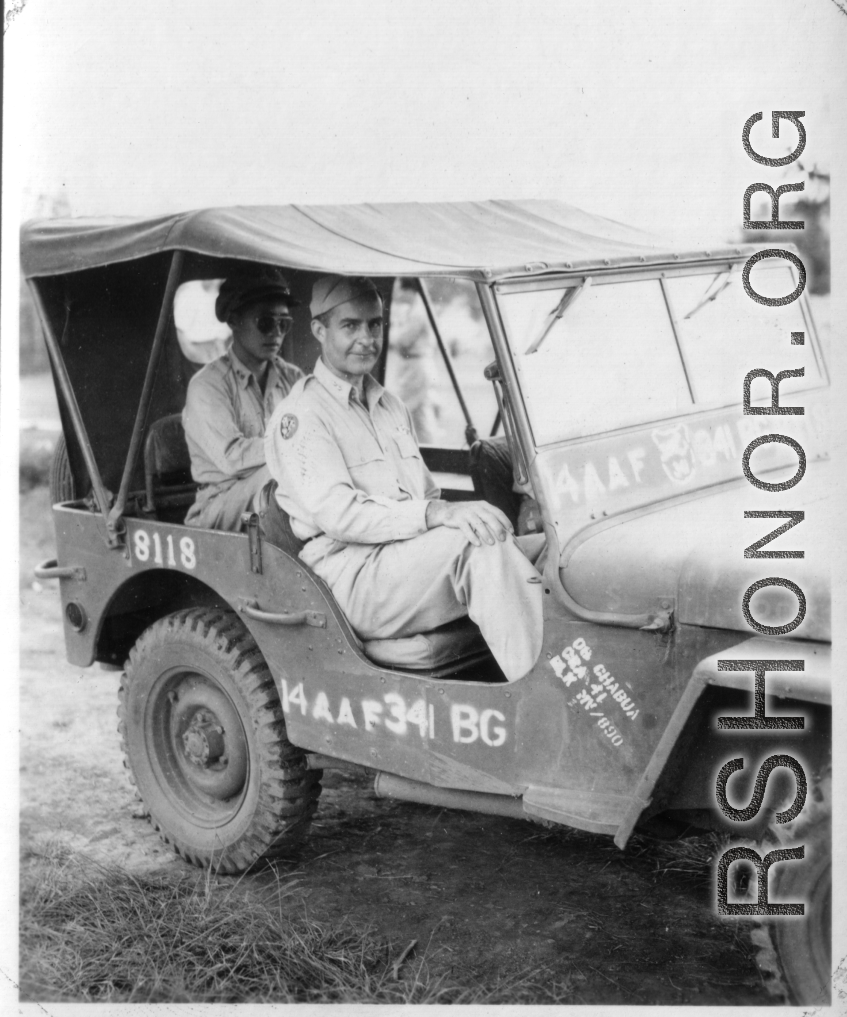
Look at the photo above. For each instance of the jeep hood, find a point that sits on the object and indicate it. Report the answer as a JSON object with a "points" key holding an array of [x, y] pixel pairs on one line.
{"points": [[691, 552]]}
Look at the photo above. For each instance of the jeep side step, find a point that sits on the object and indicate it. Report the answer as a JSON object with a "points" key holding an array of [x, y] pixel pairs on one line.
{"points": [[386, 785]]}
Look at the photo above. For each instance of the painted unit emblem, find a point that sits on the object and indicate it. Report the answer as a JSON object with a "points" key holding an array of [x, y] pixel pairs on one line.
{"points": [[674, 445]]}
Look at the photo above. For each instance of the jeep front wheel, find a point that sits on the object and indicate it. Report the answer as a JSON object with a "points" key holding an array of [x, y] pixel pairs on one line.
{"points": [[803, 944], [204, 740]]}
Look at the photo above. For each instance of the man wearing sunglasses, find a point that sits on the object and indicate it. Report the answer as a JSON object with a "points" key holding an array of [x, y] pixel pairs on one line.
{"points": [[230, 400]]}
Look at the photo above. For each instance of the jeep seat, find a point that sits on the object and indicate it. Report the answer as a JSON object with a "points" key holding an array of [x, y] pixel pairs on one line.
{"points": [[493, 480], [167, 467], [448, 649], [453, 646]]}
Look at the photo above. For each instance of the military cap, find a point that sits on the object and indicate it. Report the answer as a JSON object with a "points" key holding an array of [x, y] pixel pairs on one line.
{"points": [[331, 290], [251, 283]]}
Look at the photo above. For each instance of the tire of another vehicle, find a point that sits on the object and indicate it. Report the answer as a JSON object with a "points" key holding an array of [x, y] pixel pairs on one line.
{"points": [[203, 736], [803, 944], [62, 484]]}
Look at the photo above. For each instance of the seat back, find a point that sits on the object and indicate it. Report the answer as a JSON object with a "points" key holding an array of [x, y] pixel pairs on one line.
{"points": [[167, 465], [491, 473], [275, 523]]}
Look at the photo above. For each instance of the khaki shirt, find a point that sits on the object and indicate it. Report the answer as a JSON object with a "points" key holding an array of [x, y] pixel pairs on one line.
{"points": [[348, 473], [225, 415]]}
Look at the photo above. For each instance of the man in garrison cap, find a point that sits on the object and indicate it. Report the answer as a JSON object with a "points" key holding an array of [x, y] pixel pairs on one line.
{"points": [[398, 559], [230, 400]]}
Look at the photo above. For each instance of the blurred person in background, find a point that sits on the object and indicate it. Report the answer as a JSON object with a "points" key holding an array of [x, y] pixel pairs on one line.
{"points": [[413, 376], [202, 338]]}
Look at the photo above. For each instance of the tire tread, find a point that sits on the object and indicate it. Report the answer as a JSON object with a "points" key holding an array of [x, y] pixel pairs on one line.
{"points": [[289, 791], [777, 945]]}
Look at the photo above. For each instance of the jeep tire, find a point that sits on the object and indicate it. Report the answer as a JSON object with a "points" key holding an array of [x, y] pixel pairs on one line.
{"points": [[204, 741], [62, 483], [803, 944]]}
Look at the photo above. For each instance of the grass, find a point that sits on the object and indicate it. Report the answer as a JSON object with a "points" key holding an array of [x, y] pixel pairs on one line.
{"points": [[689, 858], [96, 933]]}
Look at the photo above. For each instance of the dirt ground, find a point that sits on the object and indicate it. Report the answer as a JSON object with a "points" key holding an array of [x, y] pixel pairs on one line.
{"points": [[484, 897]]}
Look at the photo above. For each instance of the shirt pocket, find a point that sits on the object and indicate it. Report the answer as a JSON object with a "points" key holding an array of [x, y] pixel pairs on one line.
{"points": [[252, 428], [407, 446], [250, 421], [369, 471]]}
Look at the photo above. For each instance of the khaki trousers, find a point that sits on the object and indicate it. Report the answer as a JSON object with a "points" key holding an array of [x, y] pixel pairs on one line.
{"points": [[410, 586], [220, 509]]}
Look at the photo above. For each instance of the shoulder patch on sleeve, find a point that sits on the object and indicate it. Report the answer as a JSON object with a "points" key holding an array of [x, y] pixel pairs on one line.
{"points": [[288, 425]]}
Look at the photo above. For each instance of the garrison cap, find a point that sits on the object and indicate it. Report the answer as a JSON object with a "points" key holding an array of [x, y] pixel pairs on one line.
{"points": [[331, 290], [251, 283]]}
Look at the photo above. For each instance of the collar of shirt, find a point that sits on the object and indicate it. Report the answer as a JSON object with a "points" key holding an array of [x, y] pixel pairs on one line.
{"points": [[244, 374], [342, 390]]}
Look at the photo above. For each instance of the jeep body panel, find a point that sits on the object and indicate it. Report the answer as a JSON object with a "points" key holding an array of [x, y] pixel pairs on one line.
{"points": [[591, 479], [534, 738], [681, 775], [604, 564]]}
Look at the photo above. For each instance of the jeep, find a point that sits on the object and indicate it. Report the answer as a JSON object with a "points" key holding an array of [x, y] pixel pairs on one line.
{"points": [[613, 364]]}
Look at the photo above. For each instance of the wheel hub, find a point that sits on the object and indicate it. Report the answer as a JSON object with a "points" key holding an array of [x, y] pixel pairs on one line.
{"points": [[207, 741], [204, 740]]}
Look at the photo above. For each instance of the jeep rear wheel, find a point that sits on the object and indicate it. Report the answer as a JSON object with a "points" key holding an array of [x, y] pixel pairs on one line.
{"points": [[203, 736], [62, 483]]}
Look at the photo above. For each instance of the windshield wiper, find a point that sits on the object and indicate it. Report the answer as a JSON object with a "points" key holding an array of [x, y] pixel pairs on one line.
{"points": [[711, 297], [570, 295]]}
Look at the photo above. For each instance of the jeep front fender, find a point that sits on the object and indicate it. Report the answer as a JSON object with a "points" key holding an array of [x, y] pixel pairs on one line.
{"points": [[812, 685]]}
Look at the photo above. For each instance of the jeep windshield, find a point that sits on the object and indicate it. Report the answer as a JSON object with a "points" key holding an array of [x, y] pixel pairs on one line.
{"points": [[595, 354]]}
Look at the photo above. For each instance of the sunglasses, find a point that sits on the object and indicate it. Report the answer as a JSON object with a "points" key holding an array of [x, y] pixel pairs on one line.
{"points": [[269, 324]]}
